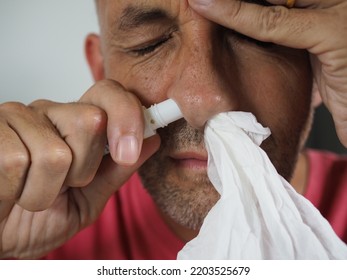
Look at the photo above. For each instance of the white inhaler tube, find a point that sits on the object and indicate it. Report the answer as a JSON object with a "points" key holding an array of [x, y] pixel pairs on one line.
{"points": [[158, 116]]}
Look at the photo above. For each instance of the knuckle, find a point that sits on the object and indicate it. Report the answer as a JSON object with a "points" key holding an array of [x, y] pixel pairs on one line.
{"points": [[234, 10], [93, 120], [13, 107], [14, 162], [13, 168], [40, 103], [107, 83], [57, 158], [272, 17]]}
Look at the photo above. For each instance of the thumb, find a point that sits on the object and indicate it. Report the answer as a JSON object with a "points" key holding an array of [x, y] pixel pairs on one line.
{"points": [[111, 176]]}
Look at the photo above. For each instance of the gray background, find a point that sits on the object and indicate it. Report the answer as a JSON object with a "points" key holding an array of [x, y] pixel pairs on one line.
{"points": [[41, 49]]}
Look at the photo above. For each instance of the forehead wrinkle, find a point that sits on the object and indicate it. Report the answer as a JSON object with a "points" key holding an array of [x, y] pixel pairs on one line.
{"points": [[134, 16]]}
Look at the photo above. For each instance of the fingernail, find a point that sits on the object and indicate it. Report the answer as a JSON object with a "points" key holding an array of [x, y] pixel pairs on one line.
{"points": [[200, 2], [127, 150]]}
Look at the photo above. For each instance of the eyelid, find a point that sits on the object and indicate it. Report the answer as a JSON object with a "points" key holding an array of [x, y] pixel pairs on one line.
{"points": [[150, 48], [154, 43], [147, 43]]}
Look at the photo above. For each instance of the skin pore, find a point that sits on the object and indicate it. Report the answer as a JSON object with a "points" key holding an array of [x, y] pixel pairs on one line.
{"points": [[162, 49]]}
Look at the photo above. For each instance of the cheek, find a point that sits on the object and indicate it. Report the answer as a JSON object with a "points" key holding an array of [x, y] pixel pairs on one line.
{"points": [[148, 80], [278, 90]]}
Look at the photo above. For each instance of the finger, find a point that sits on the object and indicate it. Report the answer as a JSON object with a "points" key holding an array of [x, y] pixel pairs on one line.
{"points": [[14, 162], [299, 3], [50, 157], [5, 209], [125, 119], [83, 128], [295, 28], [111, 176]]}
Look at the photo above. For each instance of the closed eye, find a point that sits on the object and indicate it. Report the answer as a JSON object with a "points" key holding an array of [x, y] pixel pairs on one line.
{"points": [[151, 47]]}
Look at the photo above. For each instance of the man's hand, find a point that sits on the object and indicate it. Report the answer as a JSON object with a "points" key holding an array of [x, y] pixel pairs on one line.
{"points": [[316, 25], [54, 179]]}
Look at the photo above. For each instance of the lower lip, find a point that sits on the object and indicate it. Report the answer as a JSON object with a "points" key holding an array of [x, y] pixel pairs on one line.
{"points": [[191, 163]]}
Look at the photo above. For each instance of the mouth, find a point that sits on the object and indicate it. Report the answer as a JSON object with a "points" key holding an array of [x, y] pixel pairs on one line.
{"points": [[190, 160]]}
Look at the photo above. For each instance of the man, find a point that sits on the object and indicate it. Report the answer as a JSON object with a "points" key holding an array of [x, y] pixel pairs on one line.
{"points": [[55, 180]]}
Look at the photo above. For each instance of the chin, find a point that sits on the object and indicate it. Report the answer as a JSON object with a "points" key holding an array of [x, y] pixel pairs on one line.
{"points": [[184, 196]]}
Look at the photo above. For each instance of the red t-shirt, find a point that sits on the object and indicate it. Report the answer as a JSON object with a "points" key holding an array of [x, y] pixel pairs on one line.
{"points": [[327, 188], [130, 226]]}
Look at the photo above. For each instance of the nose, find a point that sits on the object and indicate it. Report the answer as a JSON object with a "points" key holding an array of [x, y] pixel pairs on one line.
{"points": [[203, 85]]}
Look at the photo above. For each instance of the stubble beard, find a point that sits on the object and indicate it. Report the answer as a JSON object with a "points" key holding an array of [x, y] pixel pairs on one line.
{"points": [[188, 200]]}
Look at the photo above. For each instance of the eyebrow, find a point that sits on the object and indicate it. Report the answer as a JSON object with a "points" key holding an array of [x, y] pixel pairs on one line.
{"points": [[133, 17]]}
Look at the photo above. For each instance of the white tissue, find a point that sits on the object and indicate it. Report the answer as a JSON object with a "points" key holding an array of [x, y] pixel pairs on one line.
{"points": [[259, 215]]}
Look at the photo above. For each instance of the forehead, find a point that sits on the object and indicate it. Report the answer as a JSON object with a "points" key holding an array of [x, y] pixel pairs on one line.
{"points": [[121, 11], [120, 19]]}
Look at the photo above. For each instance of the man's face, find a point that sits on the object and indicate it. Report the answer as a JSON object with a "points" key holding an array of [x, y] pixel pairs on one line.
{"points": [[162, 49]]}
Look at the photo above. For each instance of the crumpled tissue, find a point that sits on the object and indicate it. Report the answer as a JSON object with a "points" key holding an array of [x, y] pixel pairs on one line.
{"points": [[259, 215]]}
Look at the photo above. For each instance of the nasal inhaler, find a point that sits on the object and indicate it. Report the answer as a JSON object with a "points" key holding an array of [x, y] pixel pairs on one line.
{"points": [[158, 116]]}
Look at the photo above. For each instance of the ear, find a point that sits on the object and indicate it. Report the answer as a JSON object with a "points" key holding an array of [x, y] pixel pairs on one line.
{"points": [[316, 98], [94, 56]]}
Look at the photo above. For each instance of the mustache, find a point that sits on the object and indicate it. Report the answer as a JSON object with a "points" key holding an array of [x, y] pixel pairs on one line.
{"points": [[179, 135]]}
